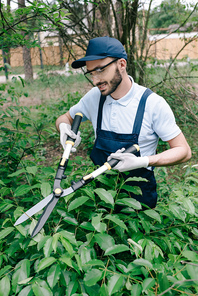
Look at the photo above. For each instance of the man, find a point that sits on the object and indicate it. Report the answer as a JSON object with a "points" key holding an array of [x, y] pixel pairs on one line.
{"points": [[124, 113]]}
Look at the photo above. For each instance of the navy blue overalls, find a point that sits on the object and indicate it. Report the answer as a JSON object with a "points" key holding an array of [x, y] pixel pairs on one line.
{"points": [[109, 142]]}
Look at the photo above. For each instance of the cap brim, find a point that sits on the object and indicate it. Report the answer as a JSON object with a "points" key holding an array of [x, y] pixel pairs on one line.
{"points": [[82, 62]]}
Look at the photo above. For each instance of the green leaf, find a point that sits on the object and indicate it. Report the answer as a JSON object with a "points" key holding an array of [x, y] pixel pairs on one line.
{"points": [[99, 226], [77, 202], [32, 170], [17, 173], [53, 275], [45, 189], [48, 247], [143, 262], [130, 202], [153, 214], [178, 232], [133, 189], [5, 232], [116, 220], [189, 206], [115, 283], [92, 277], [104, 290], [67, 246], [104, 240], [192, 271], [4, 286], [163, 283], [177, 212], [22, 272], [46, 262], [95, 262], [148, 283], [27, 291], [55, 241], [5, 269], [22, 230], [22, 190], [136, 290], [25, 281], [104, 195], [192, 256], [116, 249], [69, 236], [87, 226], [70, 220], [41, 288]]}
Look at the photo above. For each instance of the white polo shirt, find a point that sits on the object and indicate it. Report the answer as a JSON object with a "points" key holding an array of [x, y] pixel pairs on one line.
{"points": [[118, 116]]}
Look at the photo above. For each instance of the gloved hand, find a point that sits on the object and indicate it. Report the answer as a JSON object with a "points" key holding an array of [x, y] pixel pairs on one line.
{"points": [[65, 131], [128, 161]]}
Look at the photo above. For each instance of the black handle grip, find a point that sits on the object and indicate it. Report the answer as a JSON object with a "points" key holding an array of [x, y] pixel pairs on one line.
{"points": [[133, 149], [75, 125]]}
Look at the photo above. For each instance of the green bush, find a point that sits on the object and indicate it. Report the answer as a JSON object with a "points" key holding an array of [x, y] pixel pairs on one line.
{"points": [[97, 241]]}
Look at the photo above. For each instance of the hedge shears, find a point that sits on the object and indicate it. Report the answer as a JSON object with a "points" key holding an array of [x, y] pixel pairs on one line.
{"points": [[51, 200]]}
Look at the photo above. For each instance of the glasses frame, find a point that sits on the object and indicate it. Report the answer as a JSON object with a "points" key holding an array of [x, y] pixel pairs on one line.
{"points": [[100, 68]]}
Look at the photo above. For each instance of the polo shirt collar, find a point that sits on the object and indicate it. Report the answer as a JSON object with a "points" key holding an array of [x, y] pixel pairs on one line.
{"points": [[124, 101]]}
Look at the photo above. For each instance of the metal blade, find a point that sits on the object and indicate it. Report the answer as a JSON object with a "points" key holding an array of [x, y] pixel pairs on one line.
{"points": [[39, 206], [49, 208], [45, 215], [67, 191]]}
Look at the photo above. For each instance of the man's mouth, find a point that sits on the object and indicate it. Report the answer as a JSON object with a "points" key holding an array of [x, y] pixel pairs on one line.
{"points": [[102, 86]]}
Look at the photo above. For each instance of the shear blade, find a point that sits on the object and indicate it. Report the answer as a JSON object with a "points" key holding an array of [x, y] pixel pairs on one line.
{"points": [[45, 215], [49, 208], [39, 206]]}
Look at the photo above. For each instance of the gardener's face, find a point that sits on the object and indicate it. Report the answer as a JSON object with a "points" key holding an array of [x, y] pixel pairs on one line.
{"points": [[105, 74]]}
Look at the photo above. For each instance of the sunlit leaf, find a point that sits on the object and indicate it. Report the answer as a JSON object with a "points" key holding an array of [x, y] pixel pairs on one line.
{"points": [[92, 277], [77, 202], [115, 283], [130, 202], [116, 220], [153, 214], [104, 195], [4, 286], [104, 240], [41, 288], [53, 275], [46, 262], [116, 249], [148, 283], [5, 232], [143, 262], [45, 189]]}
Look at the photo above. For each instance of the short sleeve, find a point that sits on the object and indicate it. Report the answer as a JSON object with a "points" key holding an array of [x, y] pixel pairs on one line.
{"points": [[163, 119]]}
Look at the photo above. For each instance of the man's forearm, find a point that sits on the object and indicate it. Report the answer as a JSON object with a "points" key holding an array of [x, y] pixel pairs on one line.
{"points": [[170, 157], [179, 152], [66, 118]]}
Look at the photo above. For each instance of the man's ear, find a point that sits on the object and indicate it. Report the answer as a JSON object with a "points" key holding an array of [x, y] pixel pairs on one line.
{"points": [[122, 64]]}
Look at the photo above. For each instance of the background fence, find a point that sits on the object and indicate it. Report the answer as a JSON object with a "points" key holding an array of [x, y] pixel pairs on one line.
{"points": [[164, 47]]}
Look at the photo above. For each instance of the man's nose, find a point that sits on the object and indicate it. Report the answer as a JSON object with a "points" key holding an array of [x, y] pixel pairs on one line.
{"points": [[95, 79]]}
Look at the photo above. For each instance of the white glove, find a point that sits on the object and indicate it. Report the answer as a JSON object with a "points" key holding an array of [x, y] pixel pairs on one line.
{"points": [[128, 161], [65, 131]]}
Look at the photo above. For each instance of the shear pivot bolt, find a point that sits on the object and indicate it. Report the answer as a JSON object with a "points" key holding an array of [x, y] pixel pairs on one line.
{"points": [[58, 191]]}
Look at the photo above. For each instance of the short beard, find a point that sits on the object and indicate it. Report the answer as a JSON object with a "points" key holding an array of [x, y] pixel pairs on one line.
{"points": [[114, 83]]}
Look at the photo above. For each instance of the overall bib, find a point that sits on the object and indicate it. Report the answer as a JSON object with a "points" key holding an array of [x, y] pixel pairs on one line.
{"points": [[109, 142]]}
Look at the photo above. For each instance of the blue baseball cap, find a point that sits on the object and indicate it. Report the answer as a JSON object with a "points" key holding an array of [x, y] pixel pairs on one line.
{"points": [[101, 48]]}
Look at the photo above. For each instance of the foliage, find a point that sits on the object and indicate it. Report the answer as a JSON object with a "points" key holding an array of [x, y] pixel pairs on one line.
{"points": [[97, 241], [170, 12]]}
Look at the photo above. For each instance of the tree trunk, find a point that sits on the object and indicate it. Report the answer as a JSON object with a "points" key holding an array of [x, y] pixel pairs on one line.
{"points": [[26, 51]]}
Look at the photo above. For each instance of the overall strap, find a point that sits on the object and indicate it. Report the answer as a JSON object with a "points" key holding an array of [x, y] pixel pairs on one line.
{"points": [[140, 112], [99, 119]]}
